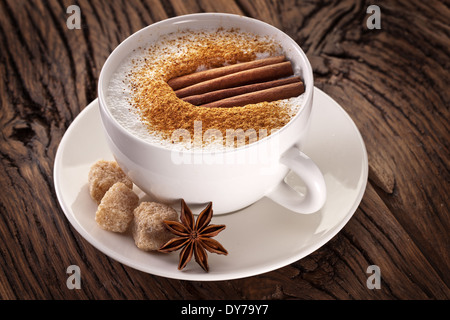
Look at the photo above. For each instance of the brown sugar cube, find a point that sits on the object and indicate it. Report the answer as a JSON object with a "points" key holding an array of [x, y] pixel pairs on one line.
{"points": [[115, 212], [102, 175], [149, 231]]}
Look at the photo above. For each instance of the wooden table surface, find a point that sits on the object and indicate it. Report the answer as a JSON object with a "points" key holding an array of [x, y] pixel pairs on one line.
{"points": [[394, 82]]}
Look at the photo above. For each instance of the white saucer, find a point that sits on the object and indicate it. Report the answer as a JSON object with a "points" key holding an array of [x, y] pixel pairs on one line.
{"points": [[260, 238]]}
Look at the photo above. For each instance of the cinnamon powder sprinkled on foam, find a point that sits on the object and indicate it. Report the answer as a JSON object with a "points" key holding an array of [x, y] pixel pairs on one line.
{"points": [[187, 52]]}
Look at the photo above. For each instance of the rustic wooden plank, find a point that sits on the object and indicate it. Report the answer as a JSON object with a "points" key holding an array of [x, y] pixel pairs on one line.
{"points": [[182, 7], [267, 11], [379, 238], [339, 269], [385, 80], [225, 6]]}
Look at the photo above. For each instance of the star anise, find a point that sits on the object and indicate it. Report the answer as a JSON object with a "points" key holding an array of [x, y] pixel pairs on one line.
{"points": [[194, 236]]}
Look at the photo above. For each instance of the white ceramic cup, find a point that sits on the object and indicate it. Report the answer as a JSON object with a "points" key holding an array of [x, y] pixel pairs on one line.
{"points": [[231, 179]]}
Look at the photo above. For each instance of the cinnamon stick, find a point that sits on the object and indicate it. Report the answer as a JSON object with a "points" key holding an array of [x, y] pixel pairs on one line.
{"points": [[196, 77], [271, 94], [226, 93], [265, 73]]}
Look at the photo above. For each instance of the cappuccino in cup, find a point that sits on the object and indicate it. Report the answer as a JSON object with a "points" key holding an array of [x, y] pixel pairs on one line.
{"points": [[140, 98], [252, 94]]}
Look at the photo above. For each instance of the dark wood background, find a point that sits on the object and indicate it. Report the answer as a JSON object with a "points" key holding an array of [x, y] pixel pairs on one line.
{"points": [[394, 82]]}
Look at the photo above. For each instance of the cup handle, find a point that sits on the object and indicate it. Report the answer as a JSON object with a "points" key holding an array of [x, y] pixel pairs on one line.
{"points": [[307, 170]]}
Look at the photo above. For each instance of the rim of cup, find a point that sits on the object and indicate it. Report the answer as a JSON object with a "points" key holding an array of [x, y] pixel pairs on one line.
{"points": [[124, 46]]}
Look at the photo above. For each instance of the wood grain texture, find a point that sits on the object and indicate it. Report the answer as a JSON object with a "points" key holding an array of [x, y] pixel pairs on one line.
{"points": [[394, 83]]}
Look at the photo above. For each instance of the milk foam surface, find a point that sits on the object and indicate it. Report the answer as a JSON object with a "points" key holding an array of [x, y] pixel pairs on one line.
{"points": [[119, 92], [117, 100]]}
